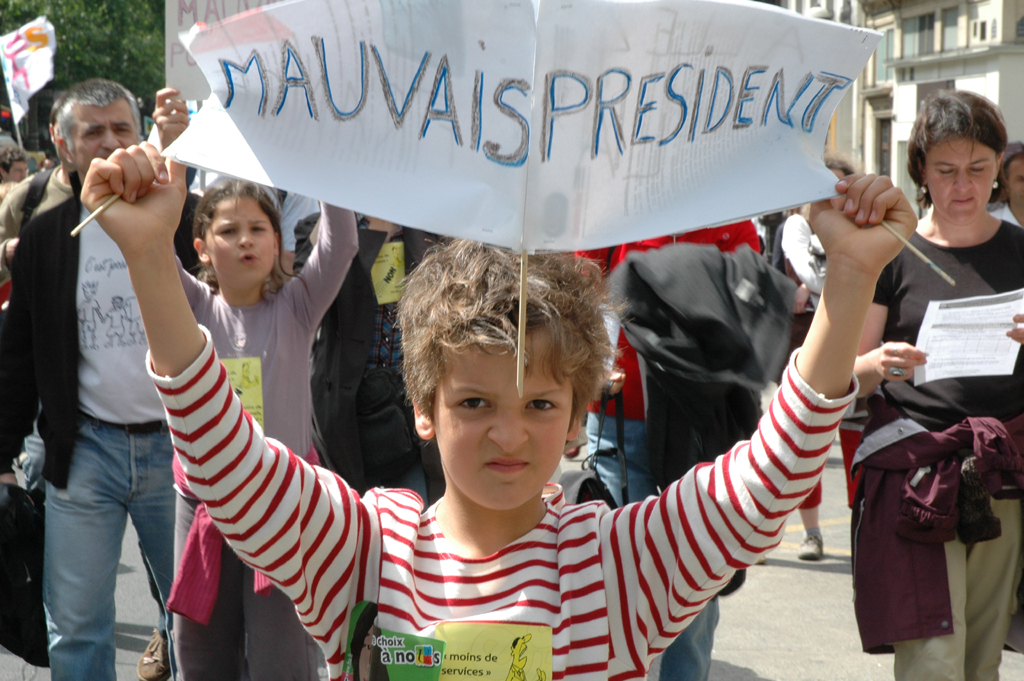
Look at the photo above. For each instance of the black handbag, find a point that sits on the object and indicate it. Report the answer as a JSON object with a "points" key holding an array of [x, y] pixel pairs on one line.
{"points": [[581, 486], [22, 618]]}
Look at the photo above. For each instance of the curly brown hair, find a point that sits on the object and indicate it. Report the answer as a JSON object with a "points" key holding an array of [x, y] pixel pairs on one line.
{"points": [[465, 295], [950, 115], [10, 155], [207, 209]]}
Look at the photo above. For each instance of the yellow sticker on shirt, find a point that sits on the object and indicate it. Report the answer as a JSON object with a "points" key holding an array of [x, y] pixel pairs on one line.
{"points": [[495, 652], [388, 272], [246, 377]]}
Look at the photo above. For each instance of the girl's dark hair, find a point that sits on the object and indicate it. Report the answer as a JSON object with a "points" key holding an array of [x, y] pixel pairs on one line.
{"points": [[238, 189], [362, 627], [950, 115]]}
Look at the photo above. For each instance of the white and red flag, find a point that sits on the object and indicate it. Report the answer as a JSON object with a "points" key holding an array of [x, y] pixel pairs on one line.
{"points": [[27, 58]]}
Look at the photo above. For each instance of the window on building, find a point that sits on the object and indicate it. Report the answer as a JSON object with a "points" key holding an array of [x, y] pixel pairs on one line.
{"points": [[981, 31], [949, 35], [995, 33], [884, 154], [1020, 28], [883, 53], [919, 35], [974, 29]]}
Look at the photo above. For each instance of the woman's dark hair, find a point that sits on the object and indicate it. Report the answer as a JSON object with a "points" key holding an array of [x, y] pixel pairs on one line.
{"points": [[238, 189], [1014, 151], [950, 115]]}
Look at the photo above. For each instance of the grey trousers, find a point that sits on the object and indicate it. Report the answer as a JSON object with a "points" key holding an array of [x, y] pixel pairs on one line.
{"points": [[249, 636]]}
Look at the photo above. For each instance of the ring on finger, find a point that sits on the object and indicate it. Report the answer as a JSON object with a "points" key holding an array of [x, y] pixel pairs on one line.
{"points": [[898, 372]]}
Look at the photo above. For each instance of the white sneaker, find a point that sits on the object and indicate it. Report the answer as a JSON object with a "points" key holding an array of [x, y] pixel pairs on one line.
{"points": [[812, 547]]}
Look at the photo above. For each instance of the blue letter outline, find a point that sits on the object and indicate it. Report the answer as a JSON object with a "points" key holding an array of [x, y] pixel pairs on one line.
{"points": [[739, 120], [321, 53], [226, 67], [398, 117], [551, 111], [449, 113], [720, 71], [830, 83], [609, 105], [288, 55], [643, 108], [492, 149], [676, 97], [777, 92]]}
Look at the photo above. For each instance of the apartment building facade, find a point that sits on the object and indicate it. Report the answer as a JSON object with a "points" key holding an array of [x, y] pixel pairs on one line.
{"points": [[930, 45]]}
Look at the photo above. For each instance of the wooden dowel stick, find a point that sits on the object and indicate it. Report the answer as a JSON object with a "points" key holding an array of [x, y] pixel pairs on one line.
{"points": [[913, 249], [521, 342], [95, 214]]}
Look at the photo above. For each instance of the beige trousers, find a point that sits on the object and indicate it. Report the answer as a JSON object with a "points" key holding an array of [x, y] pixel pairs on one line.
{"points": [[983, 591]]}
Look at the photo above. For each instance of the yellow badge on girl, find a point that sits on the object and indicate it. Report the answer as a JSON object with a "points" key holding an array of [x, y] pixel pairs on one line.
{"points": [[246, 377]]}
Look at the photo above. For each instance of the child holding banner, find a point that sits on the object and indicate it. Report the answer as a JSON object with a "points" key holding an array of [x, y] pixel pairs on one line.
{"points": [[262, 326], [498, 578]]}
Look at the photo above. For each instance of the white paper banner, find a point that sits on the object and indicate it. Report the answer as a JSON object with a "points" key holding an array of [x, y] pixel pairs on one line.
{"points": [[551, 127], [27, 59]]}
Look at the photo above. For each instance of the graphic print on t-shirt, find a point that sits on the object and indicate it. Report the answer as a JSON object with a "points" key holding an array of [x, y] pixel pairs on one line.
{"points": [[117, 323], [112, 381], [375, 654], [496, 651]]}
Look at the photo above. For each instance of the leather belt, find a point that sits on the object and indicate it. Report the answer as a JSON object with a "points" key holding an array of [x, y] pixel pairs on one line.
{"points": [[129, 428]]}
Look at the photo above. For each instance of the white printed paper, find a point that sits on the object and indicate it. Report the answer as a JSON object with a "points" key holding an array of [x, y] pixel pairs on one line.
{"points": [[967, 337], [545, 126]]}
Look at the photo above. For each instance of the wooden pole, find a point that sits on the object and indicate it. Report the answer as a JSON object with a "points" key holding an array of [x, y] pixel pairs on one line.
{"points": [[521, 342]]}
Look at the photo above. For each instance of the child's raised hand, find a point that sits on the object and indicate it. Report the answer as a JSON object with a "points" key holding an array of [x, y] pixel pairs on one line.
{"points": [[152, 197], [170, 115], [851, 233]]}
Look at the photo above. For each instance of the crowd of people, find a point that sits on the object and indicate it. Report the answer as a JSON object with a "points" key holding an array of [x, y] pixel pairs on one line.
{"points": [[336, 428]]}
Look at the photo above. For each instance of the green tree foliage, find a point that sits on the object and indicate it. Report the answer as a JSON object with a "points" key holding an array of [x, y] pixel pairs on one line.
{"points": [[118, 39]]}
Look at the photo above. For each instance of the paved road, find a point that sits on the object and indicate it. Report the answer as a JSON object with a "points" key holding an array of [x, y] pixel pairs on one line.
{"points": [[792, 621]]}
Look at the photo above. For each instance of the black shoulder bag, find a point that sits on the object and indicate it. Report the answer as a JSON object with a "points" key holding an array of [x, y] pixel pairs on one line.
{"points": [[581, 486]]}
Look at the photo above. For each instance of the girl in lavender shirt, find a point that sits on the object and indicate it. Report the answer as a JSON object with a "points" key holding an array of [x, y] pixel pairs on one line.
{"points": [[226, 617]]}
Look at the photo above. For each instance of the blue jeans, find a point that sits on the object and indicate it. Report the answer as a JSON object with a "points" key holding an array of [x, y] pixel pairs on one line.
{"points": [[113, 475], [689, 656]]}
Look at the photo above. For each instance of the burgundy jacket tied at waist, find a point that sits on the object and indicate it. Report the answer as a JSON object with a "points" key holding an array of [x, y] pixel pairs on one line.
{"points": [[905, 509]]}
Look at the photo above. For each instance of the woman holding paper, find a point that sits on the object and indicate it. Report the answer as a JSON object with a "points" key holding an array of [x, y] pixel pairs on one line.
{"points": [[933, 454]]}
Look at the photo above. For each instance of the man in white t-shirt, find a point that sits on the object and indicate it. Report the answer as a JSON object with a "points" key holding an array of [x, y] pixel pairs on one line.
{"points": [[72, 342]]}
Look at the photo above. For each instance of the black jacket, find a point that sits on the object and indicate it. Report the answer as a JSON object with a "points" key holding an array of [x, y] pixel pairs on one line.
{"points": [[39, 343], [713, 330], [340, 352]]}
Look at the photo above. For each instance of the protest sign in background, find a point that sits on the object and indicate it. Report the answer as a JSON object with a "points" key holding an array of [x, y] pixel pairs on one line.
{"points": [[27, 59], [181, 70], [551, 126]]}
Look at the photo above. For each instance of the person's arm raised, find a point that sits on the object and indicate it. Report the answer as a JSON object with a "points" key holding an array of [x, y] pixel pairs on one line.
{"points": [[142, 224], [857, 248]]}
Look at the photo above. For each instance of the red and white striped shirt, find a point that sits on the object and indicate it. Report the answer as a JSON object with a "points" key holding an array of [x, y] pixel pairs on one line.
{"points": [[614, 586]]}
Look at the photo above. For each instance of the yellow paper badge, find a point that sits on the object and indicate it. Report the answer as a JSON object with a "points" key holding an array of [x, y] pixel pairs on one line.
{"points": [[495, 652], [246, 377], [388, 272]]}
